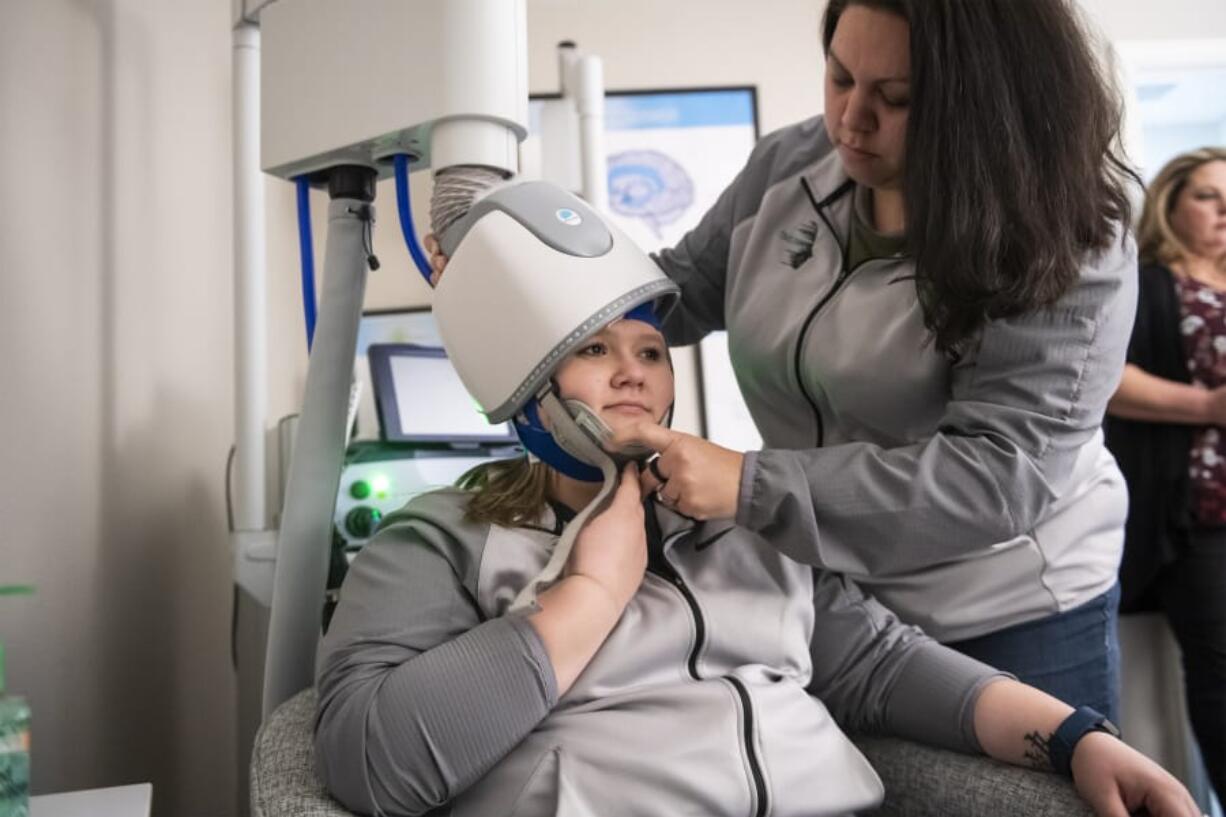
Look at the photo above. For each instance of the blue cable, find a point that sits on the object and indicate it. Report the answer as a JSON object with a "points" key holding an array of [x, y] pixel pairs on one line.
{"points": [[306, 250], [401, 165]]}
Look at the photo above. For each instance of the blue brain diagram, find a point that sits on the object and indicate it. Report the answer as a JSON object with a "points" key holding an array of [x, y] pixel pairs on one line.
{"points": [[650, 186]]}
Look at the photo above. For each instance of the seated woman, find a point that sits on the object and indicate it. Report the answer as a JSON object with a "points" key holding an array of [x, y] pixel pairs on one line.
{"points": [[675, 667]]}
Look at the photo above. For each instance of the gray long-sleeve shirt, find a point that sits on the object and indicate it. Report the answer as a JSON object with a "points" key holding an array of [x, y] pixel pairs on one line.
{"points": [[967, 495], [711, 693]]}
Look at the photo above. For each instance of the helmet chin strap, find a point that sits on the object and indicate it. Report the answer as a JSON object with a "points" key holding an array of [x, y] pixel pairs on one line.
{"points": [[582, 445]]}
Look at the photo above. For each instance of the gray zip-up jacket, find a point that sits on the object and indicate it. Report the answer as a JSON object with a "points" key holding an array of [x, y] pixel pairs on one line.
{"points": [[701, 700], [968, 496]]}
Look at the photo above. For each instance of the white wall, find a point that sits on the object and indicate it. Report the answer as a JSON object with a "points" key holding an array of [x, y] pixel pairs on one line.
{"points": [[1163, 143], [1123, 20], [116, 409], [116, 339]]}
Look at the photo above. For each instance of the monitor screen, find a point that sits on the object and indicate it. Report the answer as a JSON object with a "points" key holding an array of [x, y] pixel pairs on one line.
{"points": [[407, 325], [421, 399]]}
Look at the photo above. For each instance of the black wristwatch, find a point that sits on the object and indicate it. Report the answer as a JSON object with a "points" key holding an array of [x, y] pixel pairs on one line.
{"points": [[1082, 722]]}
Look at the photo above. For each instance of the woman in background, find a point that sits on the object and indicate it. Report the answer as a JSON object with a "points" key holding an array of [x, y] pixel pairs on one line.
{"points": [[1168, 432]]}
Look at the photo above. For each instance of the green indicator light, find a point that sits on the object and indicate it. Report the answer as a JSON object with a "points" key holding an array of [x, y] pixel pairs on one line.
{"points": [[380, 484], [359, 489], [362, 521]]}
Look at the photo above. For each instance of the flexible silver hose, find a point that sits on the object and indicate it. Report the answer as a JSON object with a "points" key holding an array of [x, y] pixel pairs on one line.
{"points": [[457, 189]]}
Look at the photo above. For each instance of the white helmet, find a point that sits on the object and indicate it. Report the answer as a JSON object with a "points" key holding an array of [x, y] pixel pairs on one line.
{"points": [[533, 273]]}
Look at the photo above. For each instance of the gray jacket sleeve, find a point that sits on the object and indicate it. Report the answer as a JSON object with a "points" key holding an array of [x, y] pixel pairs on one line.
{"points": [[418, 695], [878, 675], [1022, 405]]}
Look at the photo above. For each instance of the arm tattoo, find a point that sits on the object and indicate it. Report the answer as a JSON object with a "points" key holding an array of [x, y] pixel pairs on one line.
{"points": [[1038, 751]]}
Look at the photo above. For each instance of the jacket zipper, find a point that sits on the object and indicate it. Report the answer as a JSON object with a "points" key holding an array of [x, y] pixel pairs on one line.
{"points": [[758, 780], [666, 571], [844, 274]]}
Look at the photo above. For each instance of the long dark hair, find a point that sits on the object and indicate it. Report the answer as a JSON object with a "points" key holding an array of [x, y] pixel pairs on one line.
{"points": [[1013, 169]]}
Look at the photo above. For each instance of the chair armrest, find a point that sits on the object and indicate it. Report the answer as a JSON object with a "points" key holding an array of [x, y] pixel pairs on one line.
{"points": [[924, 781], [283, 779], [920, 781]]}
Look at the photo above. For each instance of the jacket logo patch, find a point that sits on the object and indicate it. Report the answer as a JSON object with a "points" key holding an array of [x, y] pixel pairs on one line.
{"points": [[799, 243]]}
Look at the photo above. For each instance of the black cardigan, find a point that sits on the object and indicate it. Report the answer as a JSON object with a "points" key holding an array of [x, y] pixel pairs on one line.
{"points": [[1153, 456]]}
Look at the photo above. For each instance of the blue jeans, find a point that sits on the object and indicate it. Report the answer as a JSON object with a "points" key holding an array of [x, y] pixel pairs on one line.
{"points": [[1073, 656]]}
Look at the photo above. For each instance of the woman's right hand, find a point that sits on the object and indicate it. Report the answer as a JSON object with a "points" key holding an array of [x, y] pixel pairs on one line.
{"points": [[611, 550], [438, 261]]}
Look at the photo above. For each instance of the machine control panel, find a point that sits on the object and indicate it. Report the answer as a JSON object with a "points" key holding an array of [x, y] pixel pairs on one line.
{"points": [[378, 480]]}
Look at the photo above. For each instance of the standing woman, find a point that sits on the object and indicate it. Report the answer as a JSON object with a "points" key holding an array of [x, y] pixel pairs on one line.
{"points": [[928, 294], [1167, 432]]}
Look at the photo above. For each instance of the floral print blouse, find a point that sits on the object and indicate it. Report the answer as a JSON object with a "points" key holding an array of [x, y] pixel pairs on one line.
{"points": [[1203, 328]]}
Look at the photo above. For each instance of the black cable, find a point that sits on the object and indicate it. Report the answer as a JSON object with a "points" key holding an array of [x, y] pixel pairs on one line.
{"points": [[366, 214], [230, 526], [229, 504]]}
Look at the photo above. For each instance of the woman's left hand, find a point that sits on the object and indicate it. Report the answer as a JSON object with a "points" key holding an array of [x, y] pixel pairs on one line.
{"points": [[700, 479], [1116, 780]]}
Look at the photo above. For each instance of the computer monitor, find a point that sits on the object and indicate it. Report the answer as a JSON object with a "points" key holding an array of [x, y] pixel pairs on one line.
{"points": [[420, 399], [404, 325]]}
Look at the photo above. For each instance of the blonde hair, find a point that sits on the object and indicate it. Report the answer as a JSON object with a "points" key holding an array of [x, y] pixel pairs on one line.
{"points": [[1157, 241], [506, 492]]}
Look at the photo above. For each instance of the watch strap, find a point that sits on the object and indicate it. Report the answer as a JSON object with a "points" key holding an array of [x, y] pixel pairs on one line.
{"points": [[1083, 721]]}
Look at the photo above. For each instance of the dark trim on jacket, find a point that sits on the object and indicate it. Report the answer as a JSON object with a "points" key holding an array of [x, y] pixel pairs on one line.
{"points": [[1153, 456]]}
